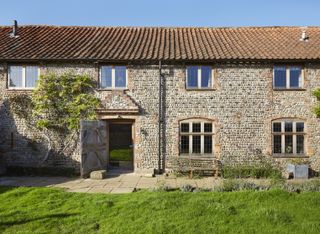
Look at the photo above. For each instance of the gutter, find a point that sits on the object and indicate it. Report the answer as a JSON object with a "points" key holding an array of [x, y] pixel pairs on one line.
{"points": [[154, 62], [160, 120]]}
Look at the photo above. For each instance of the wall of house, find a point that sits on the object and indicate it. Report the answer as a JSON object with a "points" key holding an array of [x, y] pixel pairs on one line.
{"points": [[20, 142], [242, 106]]}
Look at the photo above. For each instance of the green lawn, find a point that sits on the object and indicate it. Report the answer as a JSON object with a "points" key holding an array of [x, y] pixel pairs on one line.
{"points": [[44, 210], [121, 155]]}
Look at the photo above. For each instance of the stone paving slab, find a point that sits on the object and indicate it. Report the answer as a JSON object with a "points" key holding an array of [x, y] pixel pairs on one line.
{"points": [[114, 184], [124, 183], [145, 186], [79, 190], [128, 184]]}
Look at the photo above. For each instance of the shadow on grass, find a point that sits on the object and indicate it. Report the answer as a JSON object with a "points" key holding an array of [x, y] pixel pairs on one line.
{"points": [[50, 216], [4, 189]]}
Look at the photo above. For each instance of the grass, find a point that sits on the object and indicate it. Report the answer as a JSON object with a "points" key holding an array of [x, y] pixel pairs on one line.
{"points": [[45, 210], [121, 155]]}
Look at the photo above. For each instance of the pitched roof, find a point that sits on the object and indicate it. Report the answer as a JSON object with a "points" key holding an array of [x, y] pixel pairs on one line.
{"points": [[158, 43]]}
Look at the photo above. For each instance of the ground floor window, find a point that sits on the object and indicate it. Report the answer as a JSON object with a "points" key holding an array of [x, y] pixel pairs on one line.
{"points": [[196, 137], [288, 137]]}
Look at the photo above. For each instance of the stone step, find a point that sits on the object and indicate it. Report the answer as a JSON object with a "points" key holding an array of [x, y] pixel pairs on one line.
{"points": [[98, 175]]}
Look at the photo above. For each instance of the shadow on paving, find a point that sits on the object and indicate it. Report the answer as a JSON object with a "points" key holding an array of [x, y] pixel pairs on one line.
{"points": [[35, 181]]}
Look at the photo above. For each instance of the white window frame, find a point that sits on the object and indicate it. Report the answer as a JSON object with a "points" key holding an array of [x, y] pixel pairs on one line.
{"points": [[190, 134], [113, 78], [294, 134], [199, 78], [301, 81], [23, 76]]}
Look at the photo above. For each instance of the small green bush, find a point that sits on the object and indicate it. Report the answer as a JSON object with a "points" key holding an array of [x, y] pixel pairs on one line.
{"points": [[248, 171], [227, 186], [186, 188], [308, 186], [162, 187], [230, 185], [249, 186]]}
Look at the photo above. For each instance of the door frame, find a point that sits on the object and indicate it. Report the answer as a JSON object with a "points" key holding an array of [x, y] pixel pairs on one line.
{"points": [[133, 135]]}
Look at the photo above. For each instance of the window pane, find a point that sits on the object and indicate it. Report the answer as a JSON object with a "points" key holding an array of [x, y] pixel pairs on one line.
{"points": [[295, 77], [288, 144], [205, 76], [192, 79], [196, 144], [15, 76], [277, 144], [300, 126], [184, 144], [288, 126], [106, 77], [185, 127], [280, 77], [300, 144], [196, 127], [120, 76], [207, 144], [208, 127], [31, 76], [276, 127]]}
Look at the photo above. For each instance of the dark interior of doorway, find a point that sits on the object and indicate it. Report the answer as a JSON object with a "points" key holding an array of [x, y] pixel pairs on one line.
{"points": [[120, 146]]}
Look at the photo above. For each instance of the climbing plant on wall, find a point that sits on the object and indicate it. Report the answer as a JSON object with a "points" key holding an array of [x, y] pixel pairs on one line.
{"points": [[61, 101], [56, 106], [316, 93]]}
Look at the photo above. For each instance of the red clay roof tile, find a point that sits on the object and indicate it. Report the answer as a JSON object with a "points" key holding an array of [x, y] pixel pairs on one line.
{"points": [[151, 43]]}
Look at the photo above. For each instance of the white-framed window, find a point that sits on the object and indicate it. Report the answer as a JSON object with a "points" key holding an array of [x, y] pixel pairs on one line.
{"points": [[196, 137], [287, 77], [288, 137], [199, 77], [113, 77], [23, 77]]}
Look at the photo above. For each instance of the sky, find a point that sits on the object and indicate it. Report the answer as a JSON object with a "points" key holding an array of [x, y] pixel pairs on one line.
{"points": [[206, 13]]}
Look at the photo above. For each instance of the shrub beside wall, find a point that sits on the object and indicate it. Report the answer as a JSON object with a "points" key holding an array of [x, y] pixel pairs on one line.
{"points": [[251, 171]]}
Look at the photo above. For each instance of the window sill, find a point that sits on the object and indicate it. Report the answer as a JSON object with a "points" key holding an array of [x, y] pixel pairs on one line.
{"points": [[19, 89], [292, 89], [196, 156], [289, 156], [113, 89], [200, 89]]}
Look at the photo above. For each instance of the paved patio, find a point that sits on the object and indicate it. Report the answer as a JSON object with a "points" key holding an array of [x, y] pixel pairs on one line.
{"points": [[114, 183]]}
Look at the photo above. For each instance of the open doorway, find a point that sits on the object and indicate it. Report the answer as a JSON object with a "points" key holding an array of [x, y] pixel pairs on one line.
{"points": [[120, 145]]}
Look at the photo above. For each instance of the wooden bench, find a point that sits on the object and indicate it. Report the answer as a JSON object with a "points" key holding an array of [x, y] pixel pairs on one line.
{"points": [[200, 164]]}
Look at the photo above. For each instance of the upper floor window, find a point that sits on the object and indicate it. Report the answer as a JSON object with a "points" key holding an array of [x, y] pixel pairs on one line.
{"points": [[199, 77], [287, 77], [113, 77], [23, 76], [288, 137], [196, 137]]}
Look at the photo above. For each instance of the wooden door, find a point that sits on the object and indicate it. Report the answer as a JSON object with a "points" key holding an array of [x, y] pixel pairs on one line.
{"points": [[93, 143]]}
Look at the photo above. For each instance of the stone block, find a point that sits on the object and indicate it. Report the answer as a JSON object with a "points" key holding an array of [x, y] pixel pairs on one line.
{"points": [[98, 175]]}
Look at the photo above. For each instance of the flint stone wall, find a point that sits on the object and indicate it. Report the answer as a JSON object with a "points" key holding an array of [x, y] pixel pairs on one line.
{"points": [[242, 106]]}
